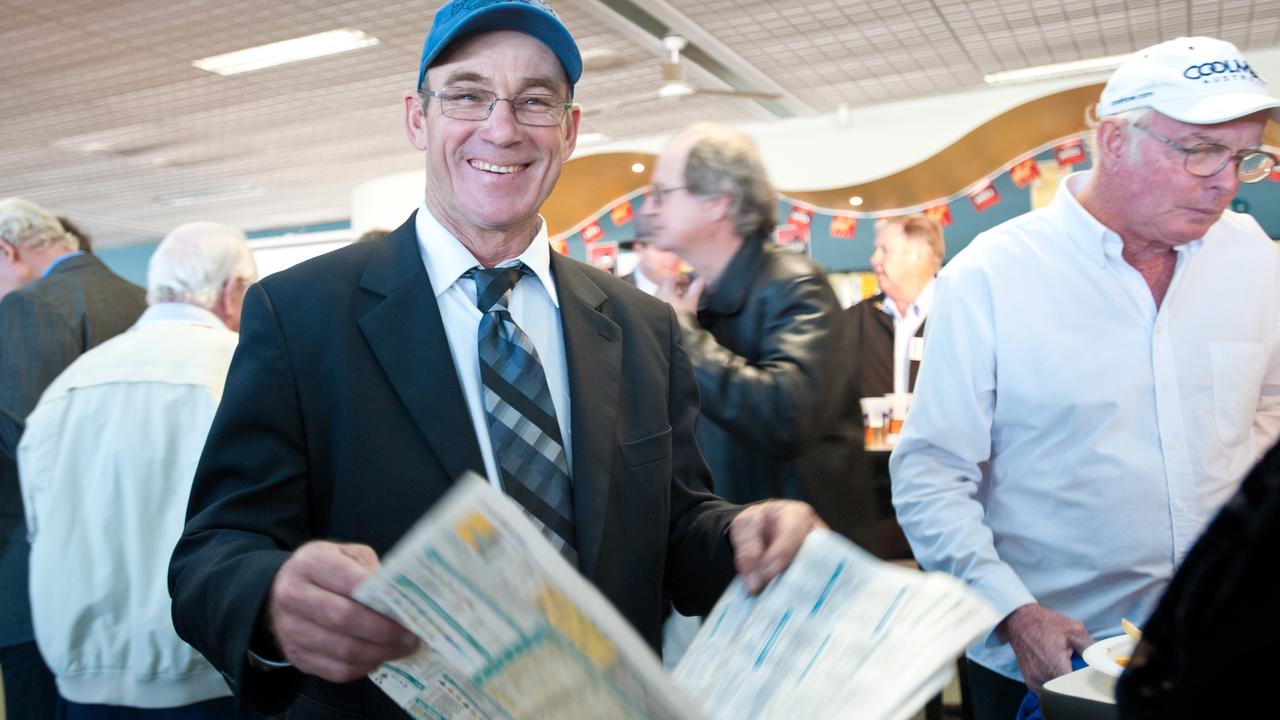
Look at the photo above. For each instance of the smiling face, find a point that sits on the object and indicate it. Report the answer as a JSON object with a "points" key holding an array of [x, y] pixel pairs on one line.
{"points": [[489, 177], [1163, 202]]}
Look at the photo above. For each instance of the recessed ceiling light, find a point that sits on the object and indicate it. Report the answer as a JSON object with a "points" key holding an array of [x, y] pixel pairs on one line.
{"points": [[286, 51], [1041, 72], [637, 167], [856, 200]]}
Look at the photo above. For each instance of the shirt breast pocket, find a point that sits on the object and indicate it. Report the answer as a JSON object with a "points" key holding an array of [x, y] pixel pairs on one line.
{"points": [[1237, 383], [646, 450]]}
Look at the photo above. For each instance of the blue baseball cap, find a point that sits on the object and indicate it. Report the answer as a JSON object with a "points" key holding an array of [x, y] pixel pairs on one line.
{"points": [[460, 18]]}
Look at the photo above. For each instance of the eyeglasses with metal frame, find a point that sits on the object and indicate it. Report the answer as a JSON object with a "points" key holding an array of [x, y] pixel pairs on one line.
{"points": [[654, 193], [533, 109], [1208, 159]]}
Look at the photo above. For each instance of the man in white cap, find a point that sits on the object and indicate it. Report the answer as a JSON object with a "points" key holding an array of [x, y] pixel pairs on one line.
{"points": [[1091, 400]]}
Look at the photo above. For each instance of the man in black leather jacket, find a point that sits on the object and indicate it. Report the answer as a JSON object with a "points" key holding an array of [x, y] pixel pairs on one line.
{"points": [[770, 347]]}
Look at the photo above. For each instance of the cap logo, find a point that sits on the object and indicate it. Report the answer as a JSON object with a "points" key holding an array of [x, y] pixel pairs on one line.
{"points": [[1208, 72], [466, 6]]}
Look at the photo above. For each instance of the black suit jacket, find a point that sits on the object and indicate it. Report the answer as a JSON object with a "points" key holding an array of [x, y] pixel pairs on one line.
{"points": [[44, 327], [873, 339], [343, 418]]}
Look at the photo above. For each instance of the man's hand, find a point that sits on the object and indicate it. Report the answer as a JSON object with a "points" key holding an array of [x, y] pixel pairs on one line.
{"points": [[683, 300], [767, 536], [321, 630], [1043, 640]]}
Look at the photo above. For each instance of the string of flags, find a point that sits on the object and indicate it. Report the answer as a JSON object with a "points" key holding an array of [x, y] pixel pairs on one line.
{"points": [[1023, 170]]}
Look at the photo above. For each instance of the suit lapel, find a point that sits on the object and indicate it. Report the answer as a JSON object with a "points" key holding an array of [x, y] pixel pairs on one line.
{"points": [[593, 350], [408, 339]]}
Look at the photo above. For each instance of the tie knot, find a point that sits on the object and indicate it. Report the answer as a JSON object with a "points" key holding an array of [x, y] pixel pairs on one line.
{"points": [[493, 285]]}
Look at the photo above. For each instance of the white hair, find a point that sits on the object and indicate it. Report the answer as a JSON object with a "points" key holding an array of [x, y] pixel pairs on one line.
{"points": [[27, 225], [1127, 120], [195, 261]]}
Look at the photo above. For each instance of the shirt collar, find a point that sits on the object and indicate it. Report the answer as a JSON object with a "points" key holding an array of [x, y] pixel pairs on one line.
{"points": [[919, 307], [58, 260], [643, 282], [1102, 243], [172, 312], [447, 259]]}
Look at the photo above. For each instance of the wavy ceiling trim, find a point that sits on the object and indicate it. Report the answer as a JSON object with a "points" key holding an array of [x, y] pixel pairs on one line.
{"points": [[590, 185]]}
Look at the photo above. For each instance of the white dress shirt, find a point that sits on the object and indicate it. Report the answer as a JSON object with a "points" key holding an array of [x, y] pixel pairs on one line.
{"points": [[1068, 441], [535, 307], [905, 327]]}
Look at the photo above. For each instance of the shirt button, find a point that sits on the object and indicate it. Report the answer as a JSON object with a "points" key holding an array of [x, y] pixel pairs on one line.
{"points": [[1181, 507]]}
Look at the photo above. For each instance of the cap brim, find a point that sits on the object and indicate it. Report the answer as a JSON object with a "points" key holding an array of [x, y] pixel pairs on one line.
{"points": [[1219, 108]]}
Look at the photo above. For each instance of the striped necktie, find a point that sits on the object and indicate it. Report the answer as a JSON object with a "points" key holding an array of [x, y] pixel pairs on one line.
{"points": [[522, 422]]}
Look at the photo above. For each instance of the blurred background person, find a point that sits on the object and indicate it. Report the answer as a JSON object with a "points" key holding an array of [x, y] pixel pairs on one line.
{"points": [[654, 266], [106, 465], [374, 234], [888, 343], [768, 340], [55, 303], [1087, 402], [86, 242]]}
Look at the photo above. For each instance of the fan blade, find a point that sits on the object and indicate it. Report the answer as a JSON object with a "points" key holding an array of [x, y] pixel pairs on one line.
{"points": [[742, 94], [603, 108]]}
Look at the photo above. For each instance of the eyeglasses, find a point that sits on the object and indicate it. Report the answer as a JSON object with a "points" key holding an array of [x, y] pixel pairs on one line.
{"points": [[1208, 159], [535, 109], [656, 192]]}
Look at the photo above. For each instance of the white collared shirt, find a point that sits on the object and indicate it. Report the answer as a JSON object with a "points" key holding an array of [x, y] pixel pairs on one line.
{"points": [[644, 284], [1068, 440], [535, 307], [905, 328]]}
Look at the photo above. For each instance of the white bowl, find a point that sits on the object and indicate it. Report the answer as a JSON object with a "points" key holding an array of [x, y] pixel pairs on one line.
{"points": [[1102, 655]]}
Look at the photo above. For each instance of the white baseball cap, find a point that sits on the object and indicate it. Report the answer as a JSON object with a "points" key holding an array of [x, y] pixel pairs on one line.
{"points": [[1196, 80]]}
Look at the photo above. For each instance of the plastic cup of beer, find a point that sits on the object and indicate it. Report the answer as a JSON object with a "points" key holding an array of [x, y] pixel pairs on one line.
{"points": [[875, 411], [899, 406]]}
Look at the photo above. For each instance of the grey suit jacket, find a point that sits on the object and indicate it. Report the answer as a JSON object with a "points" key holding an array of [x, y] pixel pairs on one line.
{"points": [[44, 327]]}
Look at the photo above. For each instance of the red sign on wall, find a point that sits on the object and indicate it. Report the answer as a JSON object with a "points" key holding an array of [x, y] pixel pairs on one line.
{"points": [[592, 233], [622, 214], [984, 197], [843, 226], [1024, 172], [1069, 153], [801, 218], [604, 256], [940, 214]]}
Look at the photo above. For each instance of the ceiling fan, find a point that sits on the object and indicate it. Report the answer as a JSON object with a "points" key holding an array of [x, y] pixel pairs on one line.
{"points": [[675, 87]]}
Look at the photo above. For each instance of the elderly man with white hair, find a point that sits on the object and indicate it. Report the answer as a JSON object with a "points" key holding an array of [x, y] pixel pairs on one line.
{"points": [[106, 465], [1100, 373], [55, 303]]}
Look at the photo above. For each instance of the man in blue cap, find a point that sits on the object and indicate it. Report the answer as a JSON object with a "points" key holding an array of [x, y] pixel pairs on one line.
{"points": [[339, 428]]}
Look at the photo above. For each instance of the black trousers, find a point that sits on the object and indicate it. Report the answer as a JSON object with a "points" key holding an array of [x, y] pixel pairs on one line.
{"points": [[29, 690], [990, 695]]}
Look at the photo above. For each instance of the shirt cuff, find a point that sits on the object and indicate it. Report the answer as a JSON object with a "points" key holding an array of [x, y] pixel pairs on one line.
{"points": [[258, 662]]}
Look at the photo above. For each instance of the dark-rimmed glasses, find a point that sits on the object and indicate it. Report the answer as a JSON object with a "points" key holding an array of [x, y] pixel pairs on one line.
{"points": [[535, 109], [1208, 159]]}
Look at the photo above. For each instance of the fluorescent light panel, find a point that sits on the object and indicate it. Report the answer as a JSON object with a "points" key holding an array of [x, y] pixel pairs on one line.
{"points": [[286, 51], [1043, 72]]}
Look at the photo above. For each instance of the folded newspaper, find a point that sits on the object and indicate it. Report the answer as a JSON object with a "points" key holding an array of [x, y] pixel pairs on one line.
{"points": [[511, 630]]}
